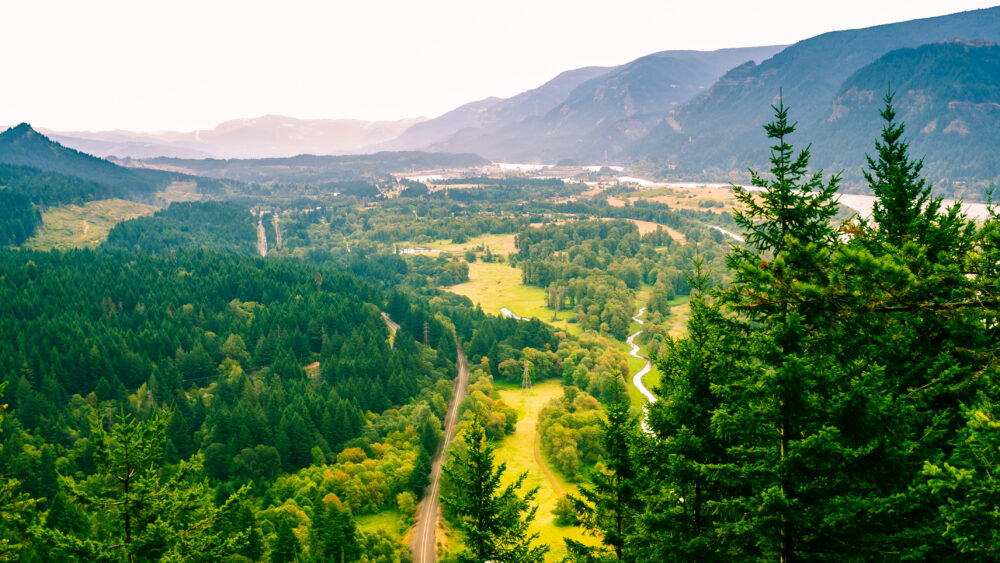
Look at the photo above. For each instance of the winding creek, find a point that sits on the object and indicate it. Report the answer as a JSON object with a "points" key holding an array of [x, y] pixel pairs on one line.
{"points": [[637, 378]]}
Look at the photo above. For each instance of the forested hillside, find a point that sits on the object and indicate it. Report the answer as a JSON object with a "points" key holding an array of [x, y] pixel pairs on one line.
{"points": [[217, 226], [216, 345], [948, 93], [24, 146]]}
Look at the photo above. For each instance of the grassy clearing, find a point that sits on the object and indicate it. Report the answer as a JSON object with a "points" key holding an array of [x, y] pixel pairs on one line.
{"points": [[495, 286], [498, 244], [518, 452], [698, 199], [75, 226], [180, 191], [390, 520]]}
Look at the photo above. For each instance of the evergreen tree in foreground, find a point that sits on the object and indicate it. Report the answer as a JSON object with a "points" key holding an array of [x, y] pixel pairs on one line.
{"points": [[494, 519], [14, 507], [145, 515], [608, 508]]}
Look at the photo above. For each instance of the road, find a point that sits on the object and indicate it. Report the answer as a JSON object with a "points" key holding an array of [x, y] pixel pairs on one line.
{"points": [[393, 326], [277, 230], [423, 543], [261, 235]]}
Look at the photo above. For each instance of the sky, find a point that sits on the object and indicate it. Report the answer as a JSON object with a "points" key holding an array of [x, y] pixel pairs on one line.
{"points": [[181, 65]]}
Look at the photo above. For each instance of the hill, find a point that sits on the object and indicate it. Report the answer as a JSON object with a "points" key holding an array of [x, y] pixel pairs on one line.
{"points": [[260, 137], [718, 134], [603, 113], [948, 94], [313, 169], [23, 146]]}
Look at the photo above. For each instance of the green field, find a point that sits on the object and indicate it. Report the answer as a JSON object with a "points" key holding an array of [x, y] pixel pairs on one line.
{"points": [[389, 520], [518, 452], [86, 226], [498, 244], [180, 191], [495, 286]]}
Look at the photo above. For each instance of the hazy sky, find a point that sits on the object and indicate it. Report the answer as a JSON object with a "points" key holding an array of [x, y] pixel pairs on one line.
{"points": [[182, 65]]}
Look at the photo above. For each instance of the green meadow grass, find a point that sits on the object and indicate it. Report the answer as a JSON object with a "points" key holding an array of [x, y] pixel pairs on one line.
{"points": [[83, 226]]}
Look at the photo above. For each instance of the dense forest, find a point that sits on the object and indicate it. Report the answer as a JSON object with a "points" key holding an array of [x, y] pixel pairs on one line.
{"points": [[173, 395], [19, 218], [836, 401], [216, 226], [213, 345]]}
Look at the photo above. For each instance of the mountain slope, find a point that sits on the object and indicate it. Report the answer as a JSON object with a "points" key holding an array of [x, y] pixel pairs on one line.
{"points": [[948, 94], [269, 136], [423, 134], [23, 146], [605, 112], [720, 130]]}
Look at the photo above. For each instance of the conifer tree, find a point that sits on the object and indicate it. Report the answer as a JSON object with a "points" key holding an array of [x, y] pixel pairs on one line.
{"points": [[903, 197], [609, 507], [14, 507], [493, 518], [153, 517]]}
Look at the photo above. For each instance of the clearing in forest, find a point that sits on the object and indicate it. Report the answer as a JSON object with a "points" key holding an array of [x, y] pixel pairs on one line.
{"points": [[518, 451], [83, 226]]}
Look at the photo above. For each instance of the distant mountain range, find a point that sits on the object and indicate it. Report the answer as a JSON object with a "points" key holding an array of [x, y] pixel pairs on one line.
{"points": [[267, 136], [719, 132], [604, 113], [686, 114]]}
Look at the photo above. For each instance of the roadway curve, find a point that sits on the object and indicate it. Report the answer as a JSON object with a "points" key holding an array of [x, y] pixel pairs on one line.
{"points": [[423, 543]]}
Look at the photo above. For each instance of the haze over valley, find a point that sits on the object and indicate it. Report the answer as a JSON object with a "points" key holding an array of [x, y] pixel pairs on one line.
{"points": [[653, 283]]}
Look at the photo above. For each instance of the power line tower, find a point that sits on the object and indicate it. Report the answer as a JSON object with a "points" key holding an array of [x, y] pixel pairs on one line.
{"points": [[427, 340], [526, 378]]}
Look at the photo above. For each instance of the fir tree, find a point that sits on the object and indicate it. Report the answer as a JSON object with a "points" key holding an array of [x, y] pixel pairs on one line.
{"points": [[494, 519], [609, 507], [904, 203]]}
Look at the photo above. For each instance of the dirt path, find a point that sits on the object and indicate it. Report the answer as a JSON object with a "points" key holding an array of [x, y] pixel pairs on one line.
{"points": [[545, 468], [423, 544]]}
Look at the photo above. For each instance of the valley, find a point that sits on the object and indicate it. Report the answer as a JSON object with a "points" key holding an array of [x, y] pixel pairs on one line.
{"points": [[706, 305]]}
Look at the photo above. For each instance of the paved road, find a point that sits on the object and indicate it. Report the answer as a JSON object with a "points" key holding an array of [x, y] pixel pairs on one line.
{"points": [[261, 235], [423, 543]]}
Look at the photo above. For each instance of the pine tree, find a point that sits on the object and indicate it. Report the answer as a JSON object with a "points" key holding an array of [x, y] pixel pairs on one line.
{"points": [[286, 546], [608, 508], [155, 517], [420, 477], [687, 462], [904, 203], [15, 508], [494, 520]]}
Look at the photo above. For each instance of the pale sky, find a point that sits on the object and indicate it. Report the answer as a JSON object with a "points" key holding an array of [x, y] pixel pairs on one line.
{"points": [[190, 64]]}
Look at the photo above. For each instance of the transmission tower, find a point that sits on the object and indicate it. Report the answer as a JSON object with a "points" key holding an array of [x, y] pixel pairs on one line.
{"points": [[526, 378]]}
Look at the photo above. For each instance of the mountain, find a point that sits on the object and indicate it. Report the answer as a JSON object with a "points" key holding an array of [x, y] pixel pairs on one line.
{"points": [[605, 111], [947, 94], [719, 133], [124, 144], [428, 132], [495, 112], [23, 146], [261, 137], [313, 169]]}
